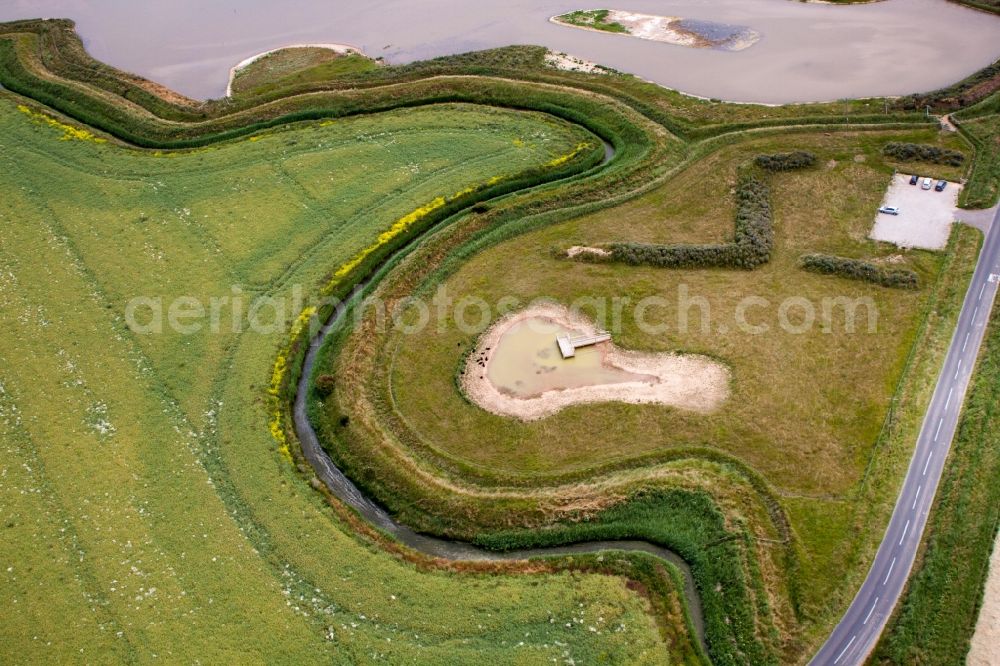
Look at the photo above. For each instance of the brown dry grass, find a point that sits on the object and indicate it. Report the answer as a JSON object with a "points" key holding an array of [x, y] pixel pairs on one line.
{"points": [[805, 409]]}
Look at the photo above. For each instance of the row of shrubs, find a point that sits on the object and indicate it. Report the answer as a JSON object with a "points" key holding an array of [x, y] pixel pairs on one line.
{"points": [[750, 248], [786, 161], [856, 269], [754, 237], [922, 152]]}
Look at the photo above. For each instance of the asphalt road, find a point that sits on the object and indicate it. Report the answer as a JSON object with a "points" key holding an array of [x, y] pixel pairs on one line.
{"points": [[858, 631]]}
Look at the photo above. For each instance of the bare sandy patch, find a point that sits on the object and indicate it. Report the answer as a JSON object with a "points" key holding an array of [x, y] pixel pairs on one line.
{"points": [[655, 28], [578, 250], [569, 63], [685, 381], [674, 30], [985, 648]]}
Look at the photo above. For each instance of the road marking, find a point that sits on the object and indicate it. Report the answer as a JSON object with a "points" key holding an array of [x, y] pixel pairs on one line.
{"points": [[889, 573], [868, 617], [927, 463], [940, 423], [981, 291], [845, 649], [958, 369], [905, 528], [947, 402], [975, 315], [915, 498], [967, 336]]}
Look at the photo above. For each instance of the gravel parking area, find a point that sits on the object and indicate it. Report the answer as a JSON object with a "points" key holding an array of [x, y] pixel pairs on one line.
{"points": [[925, 216]]}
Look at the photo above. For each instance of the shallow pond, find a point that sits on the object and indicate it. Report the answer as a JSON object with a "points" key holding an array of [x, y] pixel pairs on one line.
{"points": [[527, 362]]}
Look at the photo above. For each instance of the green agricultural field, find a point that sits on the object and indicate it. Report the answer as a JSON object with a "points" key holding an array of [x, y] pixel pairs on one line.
{"points": [[155, 500], [142, 497]]}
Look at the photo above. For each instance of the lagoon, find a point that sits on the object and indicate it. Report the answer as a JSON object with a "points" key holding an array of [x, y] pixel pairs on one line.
{"points": [[807, 52]]}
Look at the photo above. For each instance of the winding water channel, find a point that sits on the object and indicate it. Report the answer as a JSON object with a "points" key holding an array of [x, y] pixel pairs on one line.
{"points": [[345, 489]]}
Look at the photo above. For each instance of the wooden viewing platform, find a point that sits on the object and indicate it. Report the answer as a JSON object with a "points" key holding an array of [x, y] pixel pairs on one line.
{"points": [[568, 345]]}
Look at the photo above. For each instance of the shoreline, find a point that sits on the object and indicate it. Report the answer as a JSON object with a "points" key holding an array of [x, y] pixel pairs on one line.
{"points": [[984, 646], [343, 49], [663, 29]]}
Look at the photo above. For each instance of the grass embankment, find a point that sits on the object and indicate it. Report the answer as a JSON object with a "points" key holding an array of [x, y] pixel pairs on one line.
{"points": [[985, 5], [984, 185], [937, 616], [159, 520], [296, 66], [46, 60], [592, 18], [691, 525]]}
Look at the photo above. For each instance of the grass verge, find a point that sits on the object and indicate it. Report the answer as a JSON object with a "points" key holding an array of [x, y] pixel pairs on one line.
{"points": [[937, 615]]}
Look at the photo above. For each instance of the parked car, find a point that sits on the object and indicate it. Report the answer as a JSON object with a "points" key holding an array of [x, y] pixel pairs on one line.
{"points": [[889, 210], [941, 185], [927, 184], [914, 179]]}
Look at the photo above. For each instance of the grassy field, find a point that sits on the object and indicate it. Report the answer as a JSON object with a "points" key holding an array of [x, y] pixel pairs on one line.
{"points": [[984, 189], [817, 369], [295, 66], [142, 497], [780, 420]]}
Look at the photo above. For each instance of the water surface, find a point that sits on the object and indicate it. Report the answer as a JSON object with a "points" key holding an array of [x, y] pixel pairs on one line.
{"points": [[527, 362], [808, 52]]}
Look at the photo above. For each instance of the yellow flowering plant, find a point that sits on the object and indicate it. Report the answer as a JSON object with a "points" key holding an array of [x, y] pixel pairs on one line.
{"points": [[279, 371], [70, 133]]}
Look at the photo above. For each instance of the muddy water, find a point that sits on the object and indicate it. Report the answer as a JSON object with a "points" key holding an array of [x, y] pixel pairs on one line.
{"points": [[527, 362], [808, 52]]}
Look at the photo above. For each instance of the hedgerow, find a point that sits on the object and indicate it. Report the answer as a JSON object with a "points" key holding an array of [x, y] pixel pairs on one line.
{"points": [[750, 248], [754, 235], [856, 269], [786, 161], [922, 152]]}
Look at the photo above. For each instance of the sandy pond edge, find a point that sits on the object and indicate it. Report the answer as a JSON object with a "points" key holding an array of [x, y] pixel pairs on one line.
{"points": [[685, 381]]}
